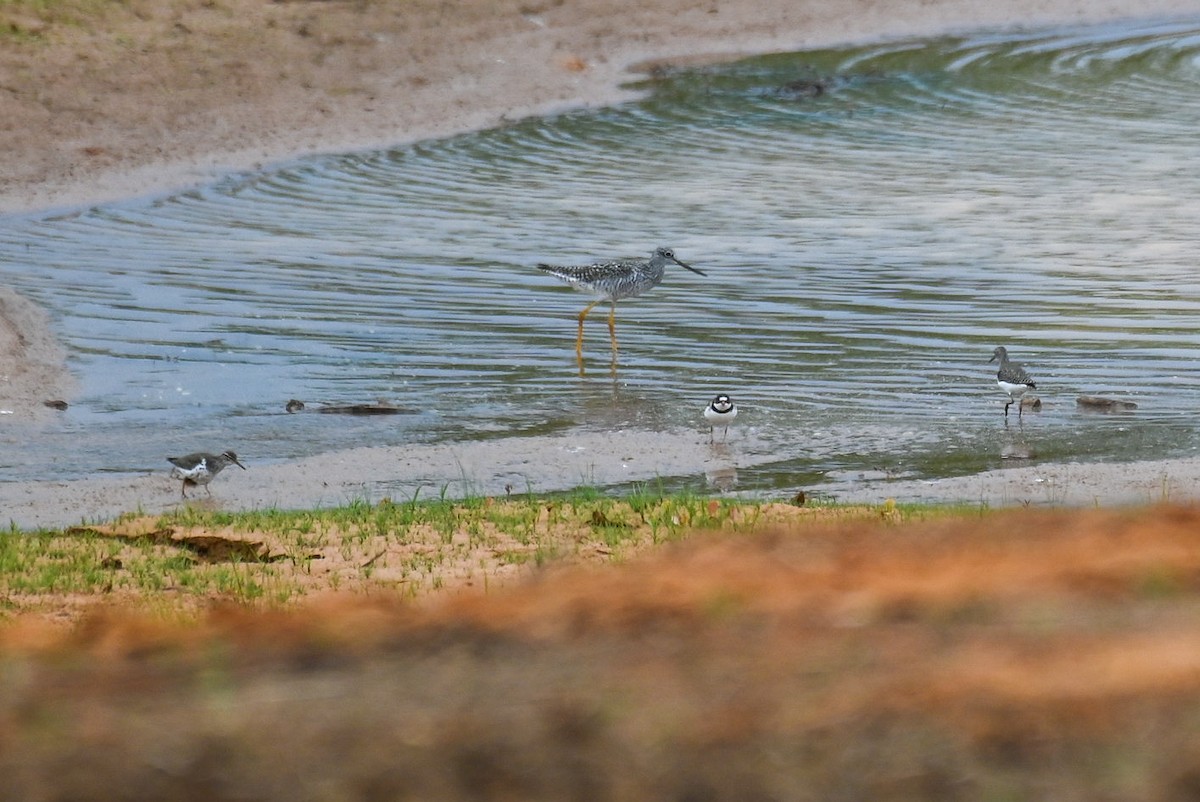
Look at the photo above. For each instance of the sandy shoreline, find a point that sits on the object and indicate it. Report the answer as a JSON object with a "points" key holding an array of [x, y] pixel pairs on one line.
{"points": [[546, 464], [496, 467], [151, 99]]}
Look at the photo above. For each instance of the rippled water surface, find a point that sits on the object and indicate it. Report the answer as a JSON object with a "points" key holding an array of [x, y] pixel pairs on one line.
{"points": [[873, 221]]}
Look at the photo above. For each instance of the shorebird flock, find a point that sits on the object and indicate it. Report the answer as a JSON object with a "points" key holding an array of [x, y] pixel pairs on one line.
{"points": [[618, 279], [610, 281]]}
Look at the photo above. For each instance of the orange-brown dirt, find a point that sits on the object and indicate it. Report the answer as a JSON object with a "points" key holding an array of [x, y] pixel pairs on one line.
{"points": [[1017, 655]]}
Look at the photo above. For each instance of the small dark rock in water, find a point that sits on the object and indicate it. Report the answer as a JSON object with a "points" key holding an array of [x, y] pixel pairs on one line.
{"points": [[1033, 402], [56, 404], [815, 85], [805, 87], [294, 405], [362, 409], [1099, 404]]}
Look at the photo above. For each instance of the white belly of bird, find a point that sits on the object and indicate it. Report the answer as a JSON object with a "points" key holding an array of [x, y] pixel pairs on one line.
{"points": [[1014, 391], [199, 475], [716, 418]]}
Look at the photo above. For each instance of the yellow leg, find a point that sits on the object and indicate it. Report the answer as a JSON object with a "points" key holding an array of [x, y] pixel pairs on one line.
{"points": [[612, 328], [579, 339]]}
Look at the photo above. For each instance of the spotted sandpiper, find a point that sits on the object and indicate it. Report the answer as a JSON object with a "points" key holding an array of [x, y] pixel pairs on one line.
{"points": [[1011, 378], [720, 412], [201, 468]]}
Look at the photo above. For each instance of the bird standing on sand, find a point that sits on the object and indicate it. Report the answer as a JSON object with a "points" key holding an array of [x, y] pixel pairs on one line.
{"points": [[720, 412], [1011, 378], [201, 468], [612, 281]]}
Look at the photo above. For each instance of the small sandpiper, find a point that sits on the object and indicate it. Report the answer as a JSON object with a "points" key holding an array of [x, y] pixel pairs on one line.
{"points": [[1012, 379], [719, 412], [201, 468]]}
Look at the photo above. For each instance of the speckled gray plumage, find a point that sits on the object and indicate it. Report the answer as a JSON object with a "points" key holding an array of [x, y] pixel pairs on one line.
{"points": [[620, 278], [1010, 372]]}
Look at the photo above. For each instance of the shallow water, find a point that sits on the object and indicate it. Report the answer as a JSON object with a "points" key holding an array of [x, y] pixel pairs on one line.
{"points": [[873, 221]]}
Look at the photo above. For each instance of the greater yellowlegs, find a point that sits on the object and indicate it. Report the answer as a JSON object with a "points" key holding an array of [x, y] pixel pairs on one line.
{"points": [[1011, 378], [719, 412], [612, 281], [201, 468]]}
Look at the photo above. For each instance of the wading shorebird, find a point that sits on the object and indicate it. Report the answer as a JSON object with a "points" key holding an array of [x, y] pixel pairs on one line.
{"points": [[613, 281], [201, 468], [719, 412], [1011, 378]]}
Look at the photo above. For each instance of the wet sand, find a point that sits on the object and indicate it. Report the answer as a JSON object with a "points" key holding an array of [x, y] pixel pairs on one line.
{"points": [[150, 99], [545, 464], [33, 364], [488, 468], [1074, 484]]}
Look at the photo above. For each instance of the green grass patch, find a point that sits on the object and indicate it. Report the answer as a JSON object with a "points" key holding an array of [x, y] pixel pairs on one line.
{"points": [[32, 21], [191, 557]]}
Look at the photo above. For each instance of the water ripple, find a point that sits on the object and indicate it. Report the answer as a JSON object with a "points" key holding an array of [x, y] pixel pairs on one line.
{"points": [[872, 220]]}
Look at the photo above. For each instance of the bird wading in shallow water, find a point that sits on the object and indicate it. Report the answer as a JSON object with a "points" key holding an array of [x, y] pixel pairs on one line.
{"points": [[612, 281], [1011, 378], [720, 412], [201, 468]]}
